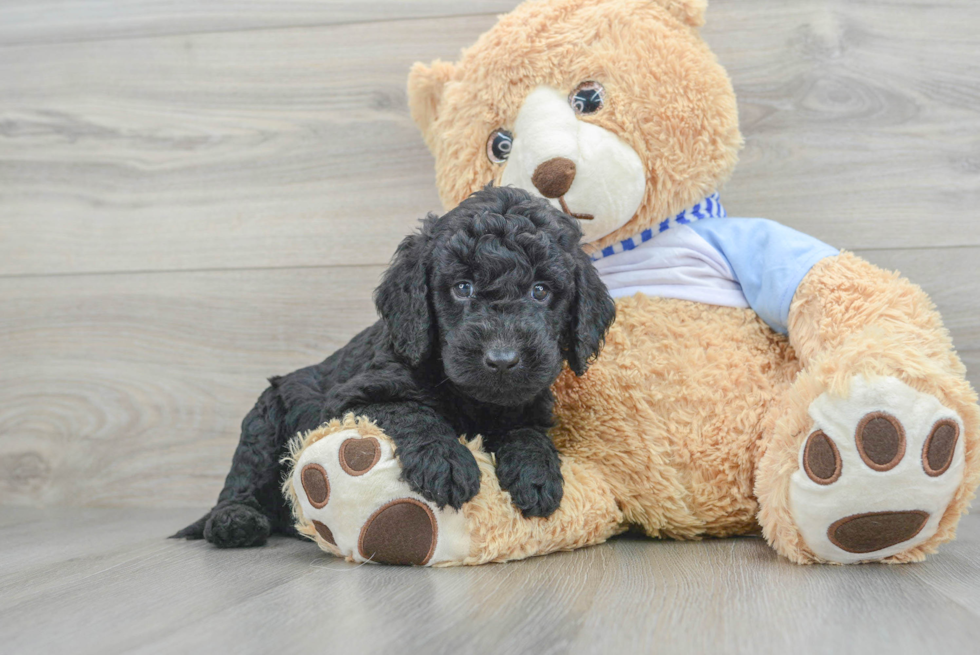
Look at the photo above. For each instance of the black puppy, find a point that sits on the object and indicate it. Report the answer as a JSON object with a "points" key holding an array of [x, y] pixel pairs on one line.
{"points": [[478, 312]]}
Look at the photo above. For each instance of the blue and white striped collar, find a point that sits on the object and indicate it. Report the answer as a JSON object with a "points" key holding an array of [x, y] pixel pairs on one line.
{"points": [[710, 207]]}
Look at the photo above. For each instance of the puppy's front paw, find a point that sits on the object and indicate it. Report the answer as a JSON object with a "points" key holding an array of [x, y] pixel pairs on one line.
{"points": [[444, 472], [533, 479]]}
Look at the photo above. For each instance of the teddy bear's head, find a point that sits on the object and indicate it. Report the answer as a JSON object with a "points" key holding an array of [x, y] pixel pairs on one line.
{"points": [[616, 110]]}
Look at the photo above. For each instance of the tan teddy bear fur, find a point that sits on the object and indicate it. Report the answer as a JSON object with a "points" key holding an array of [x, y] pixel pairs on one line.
{"points": [[691, 422]]}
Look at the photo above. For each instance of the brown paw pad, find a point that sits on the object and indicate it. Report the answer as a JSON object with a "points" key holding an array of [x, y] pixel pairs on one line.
{"points": [[401, 532], [821, 459], [324, 532], [358, 456], [315, 485], [880, 441], [937, 453], [866, 533]]}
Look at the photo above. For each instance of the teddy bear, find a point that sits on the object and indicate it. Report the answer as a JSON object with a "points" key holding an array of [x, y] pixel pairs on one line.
{"points": [[755, 381]]}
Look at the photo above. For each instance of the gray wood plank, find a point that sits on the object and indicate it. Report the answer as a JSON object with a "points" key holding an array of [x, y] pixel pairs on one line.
{"points": [[629, 595], [124, 594], [60, 21], [35, 539], [271, 148], [955, 573], [233, 150], [856, 116], [128, 389]]}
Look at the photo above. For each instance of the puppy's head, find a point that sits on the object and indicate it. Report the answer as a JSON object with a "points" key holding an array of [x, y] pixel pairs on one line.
{"points": [[500, 290]]}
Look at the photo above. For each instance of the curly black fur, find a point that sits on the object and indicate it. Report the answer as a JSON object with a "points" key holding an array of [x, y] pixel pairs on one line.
{"points": [[445, 359]]}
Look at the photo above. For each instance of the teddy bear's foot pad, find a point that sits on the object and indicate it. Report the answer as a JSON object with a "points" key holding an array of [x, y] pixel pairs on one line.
{"points": [[866, 533], [402, 532], [350, 491], [877, 471]]}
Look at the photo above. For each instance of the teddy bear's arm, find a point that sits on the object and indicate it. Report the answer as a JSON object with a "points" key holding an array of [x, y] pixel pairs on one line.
{"points": [[844, 296]]}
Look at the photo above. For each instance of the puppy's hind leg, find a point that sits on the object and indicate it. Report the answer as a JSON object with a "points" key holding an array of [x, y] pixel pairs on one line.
{"points": [[250, 505]]}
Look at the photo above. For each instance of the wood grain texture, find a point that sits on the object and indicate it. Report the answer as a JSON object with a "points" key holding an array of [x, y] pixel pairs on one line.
{"points": [[60, 21], [129, 389], [269, 148], [105, 581], [232, 150], [861, 117]]}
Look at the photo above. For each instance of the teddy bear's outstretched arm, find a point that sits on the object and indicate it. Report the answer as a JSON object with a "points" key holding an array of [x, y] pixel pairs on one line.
{"points": [[845, 296]]}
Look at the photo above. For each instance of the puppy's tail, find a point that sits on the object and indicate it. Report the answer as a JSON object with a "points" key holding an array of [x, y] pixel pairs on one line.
{"points": [[193, 531]]}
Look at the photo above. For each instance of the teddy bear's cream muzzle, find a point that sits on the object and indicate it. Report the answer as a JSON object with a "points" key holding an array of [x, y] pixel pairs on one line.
{"points": [[606, 179]]}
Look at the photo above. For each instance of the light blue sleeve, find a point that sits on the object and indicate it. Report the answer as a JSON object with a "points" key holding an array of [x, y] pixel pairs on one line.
{"points": [[769, 261]]}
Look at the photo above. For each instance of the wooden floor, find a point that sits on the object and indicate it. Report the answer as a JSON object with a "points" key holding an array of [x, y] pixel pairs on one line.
{"points": [[105, 581], [197, 195]]}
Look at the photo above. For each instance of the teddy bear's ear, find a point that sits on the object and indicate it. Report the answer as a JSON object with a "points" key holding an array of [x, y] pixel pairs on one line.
{"points": [[425, 85], [689, 12]]}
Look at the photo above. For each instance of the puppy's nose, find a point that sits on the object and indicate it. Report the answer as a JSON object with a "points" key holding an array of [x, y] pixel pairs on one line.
{"points": [[554, 177], [501, 359]]}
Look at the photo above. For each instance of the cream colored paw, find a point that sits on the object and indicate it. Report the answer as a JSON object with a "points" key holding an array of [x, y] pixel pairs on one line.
{"points": [[876, 472], [349, 497]]}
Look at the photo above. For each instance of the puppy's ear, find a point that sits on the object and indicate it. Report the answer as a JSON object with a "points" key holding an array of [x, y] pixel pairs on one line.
{"points": [[592, 314], [425, 85], [402, 300]]}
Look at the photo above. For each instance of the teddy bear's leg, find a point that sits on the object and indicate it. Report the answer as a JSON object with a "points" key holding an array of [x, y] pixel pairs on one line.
{"points": [[873, 452], [346, 490]]}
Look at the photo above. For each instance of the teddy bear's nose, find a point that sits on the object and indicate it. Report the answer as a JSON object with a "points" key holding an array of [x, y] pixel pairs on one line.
{"points": [[554, 177]]}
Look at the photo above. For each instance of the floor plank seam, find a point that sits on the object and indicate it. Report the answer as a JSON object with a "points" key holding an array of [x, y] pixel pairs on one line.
{"points": [[162, 271], [380, 263], [242, 30]]}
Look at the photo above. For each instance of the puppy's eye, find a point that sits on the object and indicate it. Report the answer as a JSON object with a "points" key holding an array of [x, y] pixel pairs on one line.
{"points": [[498, 146], [587, 98], [463, 289], [540, 292]]}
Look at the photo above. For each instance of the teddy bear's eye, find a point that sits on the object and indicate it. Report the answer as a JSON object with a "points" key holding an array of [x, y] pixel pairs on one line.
{"points": [[498, 146], [587, 98]]}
